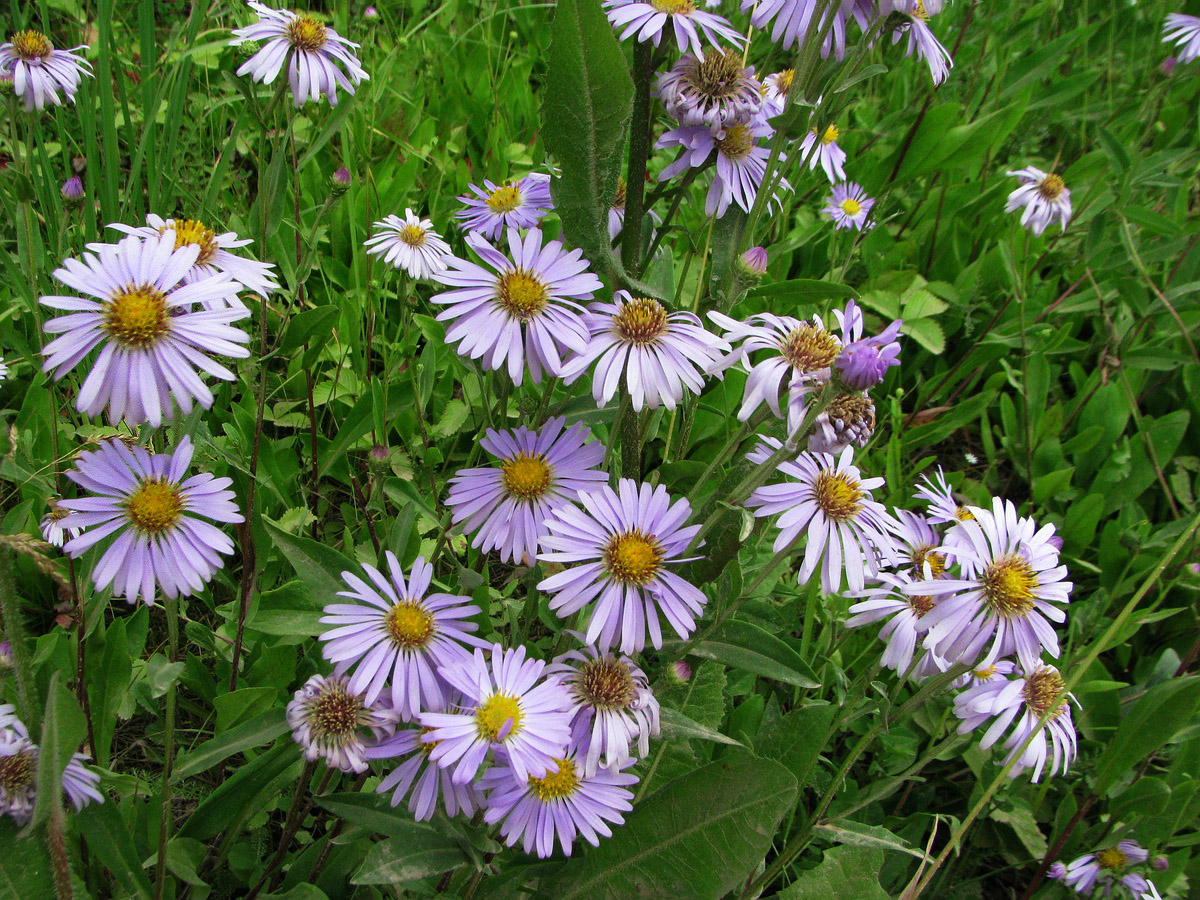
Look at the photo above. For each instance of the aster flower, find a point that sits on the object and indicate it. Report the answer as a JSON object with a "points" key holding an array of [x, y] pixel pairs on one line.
{"points": [[1006, 594], [848, 421], [942, 508], [712, 89], [314, 52], [863, 364], [849, 206], [827, 499], [416, 778], [410, 244], [777, 88], [658, 353], [214, 256], [507, 506], [1105, 868], [563, 804], [1044, 199], [507, 706], [741, 161], [523, 312], [1179, 29], [151, 339], [646, 20], [903, 613], [51, 527], [331, 722], [821, 149], [497, 208], [162, 541], [39, 71], [617, 549], [921, 39], [18, 772], [1020, 703], [789, 21], [918, 545], [398, 634], [612, 706]]}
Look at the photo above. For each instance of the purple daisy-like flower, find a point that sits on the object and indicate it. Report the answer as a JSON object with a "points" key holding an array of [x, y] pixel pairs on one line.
{"points": [[829, 501], [903, 613], [777, 87], [1105, 868], [863, 364], [942, 508], [418, 779], [741, 161], [1042, 198], [660, 354], [616, 212], [151, 340], [162, 541], [334, 723], [51, 527], [39, 72], [315, 53], [618, 548], [564, 804], [646, 20], [18, 772], [921, 39], [1184, 31], [849, 206], [398, 634], [1007, 592], [820, 148], [507, 705], [1020, 703], [612, 706], [523, 312], [919, 546], [214, 257], [410, 244], [789, 21], [497, 208], [712, 89], [507, 506]]}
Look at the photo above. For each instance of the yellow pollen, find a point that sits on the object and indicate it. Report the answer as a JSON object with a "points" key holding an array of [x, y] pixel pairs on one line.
{"points": [[964, 515], [831, 134], [335, 714], [136, 316], [1041, 688], [737, 143], [155, 506], [525, 476], [920, 605], [984, 674], [31, 45], [674, 7], [851, 207], [306, 33], [409, 624], [810, 348], [606, 683], [522, 294], [1008, 585], [190, 232], [505, 198], [924, 554], [426, 748], [783, 81], [495, 713], [16, 772], [1052, 187], [633, 557], [413, 235], [838, 495], [641, 321], [556, 785], [1112, 858], [920, 11]]}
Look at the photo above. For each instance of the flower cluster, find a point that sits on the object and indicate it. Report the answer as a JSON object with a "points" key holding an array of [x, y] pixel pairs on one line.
{"points": [[1111, 869]]}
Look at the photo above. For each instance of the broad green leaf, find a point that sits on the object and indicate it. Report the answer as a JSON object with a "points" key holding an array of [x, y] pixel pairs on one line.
{"points": [[676, 725], [845, 873], [797, 739], [262, 729], [844, 831], [24, 864], [63, 730], [1163, 711], [319, 566], [108, 838], [417, 853], [1148, 796], [803, 290], [108, 681], [243, 793], [371, 811], [742, 645], [698, 837], [314, 325]]}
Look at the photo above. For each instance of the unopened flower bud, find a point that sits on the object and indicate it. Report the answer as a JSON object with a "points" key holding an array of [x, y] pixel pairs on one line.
{"points": [[1057, 871], [755, 259], [1160, 863], [72, 191], [370, 13], [339, 181], [6, 655], [1168, 65], [378, 458], [679, 672]]}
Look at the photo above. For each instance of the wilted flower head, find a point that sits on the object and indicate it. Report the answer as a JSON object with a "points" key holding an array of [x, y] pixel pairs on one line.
{"points": [[848, 421], [332, 723], [1045, 198], [39, 71], [712, 89]]}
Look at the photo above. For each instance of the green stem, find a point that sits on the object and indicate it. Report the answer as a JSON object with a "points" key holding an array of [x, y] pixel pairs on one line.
{"points": [[14, 633], [639, 150], [631, 443], [164, 822]]}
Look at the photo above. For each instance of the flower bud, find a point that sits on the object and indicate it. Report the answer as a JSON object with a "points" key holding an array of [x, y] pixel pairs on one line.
{"points": [[1168, 65], [679, 672], [379, 458], [72, 191], [751, 265], [339, 181], [1057, 871], [370, 13], [6, 655], [1159, 863]]}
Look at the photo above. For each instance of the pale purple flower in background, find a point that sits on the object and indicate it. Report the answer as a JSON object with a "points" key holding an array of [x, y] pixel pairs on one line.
{"points": [[741, 161], [941, 507], [1020, 703], [616, 212], [333, 723], [497, 208], [508, 505], [617, 550], [660, 355], [921, 39], [1168, 64], [418, 779], [565, 803], [1184, 31], [162, 539], [314, 52], [3, 369], [903, 613], [51, 527], [1105, 869], [647, 20], [712, 89], [862, 364], [397, 635], [919, 547], [1042, 199], [776, 90], [821, 149], [849, 206], [789, 21], [18, 771], [151, 339], [409, 243], [6, 662], [522, 313], [507, 705], [39, 71]]}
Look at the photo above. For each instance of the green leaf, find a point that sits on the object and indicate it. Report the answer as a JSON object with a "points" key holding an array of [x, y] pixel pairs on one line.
{"points": [[108, 682], [374, 812], [1163, 711], [243, 793], [262, 729], [588, 98], [108, 837], [24, 864], [320, 567], [307, 324], [844, 831], [846, 873], [417, 853], [1148, 796], [63, 730], [803, 289], [742, 645], [676, 725], [698, 837], [797, 739]]}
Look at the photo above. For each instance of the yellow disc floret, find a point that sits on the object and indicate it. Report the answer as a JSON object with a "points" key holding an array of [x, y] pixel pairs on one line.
{"points": [[31, 45], [522, 294], [838, 495], [493, 718], [505, 198], [409, 624], [1008, 585], [556, 785], [633, 557], [306, 33], [155, 506], [136, 316], [526, 476], [640, 321]]}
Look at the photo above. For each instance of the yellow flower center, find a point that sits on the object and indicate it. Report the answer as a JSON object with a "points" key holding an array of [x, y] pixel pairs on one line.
{"points": [[335, 714], [1008, 585], [718, 76], [306, 33], [851, 207], [155, 506], [640, 321], [810, 348], [674, 7], [522, 294], [1052, 187], [920, 12], [556, 785], [526, 477], [136, 316], [495, 714], [633, 557], [985, 674], [964, 515], [31, 45], [1041, 689], [190, 232], [409, 624], [838, 495], [505, 198], [924, 554], [427, 747], [16, 772], [831, 135], [737, 143], [920, 605], [413, 235], [783, 81], [605, 683], [1112, 858]]}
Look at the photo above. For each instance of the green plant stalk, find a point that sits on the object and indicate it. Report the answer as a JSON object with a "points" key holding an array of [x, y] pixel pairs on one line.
{"points": [[14, 633], [631, 442], [639, 150], [60, 859], [164, 822]]}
